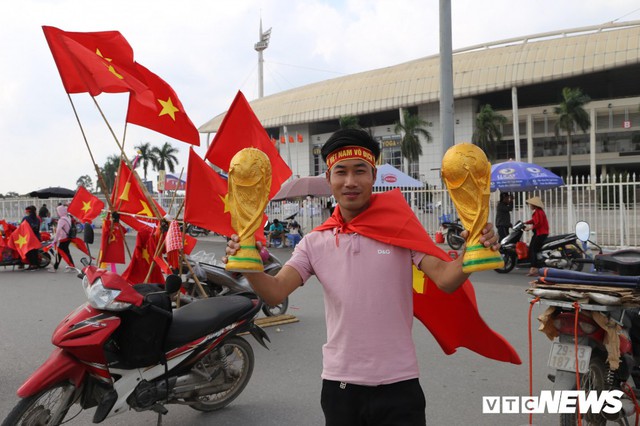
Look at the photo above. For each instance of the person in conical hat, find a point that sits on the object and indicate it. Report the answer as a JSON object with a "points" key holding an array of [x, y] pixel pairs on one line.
{"points": [[539, 225]]}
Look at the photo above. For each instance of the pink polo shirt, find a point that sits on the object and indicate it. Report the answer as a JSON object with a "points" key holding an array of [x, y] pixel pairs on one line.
{"points": [[368, 306]]}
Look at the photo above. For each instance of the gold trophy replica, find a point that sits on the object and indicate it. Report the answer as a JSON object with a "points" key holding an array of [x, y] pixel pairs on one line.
{"points": [[249, 186], [467, 173]]}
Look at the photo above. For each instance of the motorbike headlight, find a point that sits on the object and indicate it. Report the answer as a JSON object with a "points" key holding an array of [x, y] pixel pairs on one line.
{"points": [[103, 298]]}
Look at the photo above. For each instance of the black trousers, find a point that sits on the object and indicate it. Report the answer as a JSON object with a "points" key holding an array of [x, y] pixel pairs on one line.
{"points": [[534, 248], [63, 246], [396, 404], [503, 231]]}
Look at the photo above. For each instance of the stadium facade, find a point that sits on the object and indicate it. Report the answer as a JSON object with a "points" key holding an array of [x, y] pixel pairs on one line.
{"points": [[520, 77]]}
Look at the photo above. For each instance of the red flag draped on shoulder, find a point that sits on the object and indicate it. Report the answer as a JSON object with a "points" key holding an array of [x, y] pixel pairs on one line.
{"points": [[23, 240], [96, 62], [453, 318], [206, 199], [130, 198], [241, 129], [85, 206], [168, 116]]}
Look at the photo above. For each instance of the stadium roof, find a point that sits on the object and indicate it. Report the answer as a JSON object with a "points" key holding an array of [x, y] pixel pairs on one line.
{"points": [[477, 69]]}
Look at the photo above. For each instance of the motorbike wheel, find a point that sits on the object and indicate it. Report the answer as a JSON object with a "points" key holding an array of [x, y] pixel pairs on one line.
{"points": [[510, 261], [48, 407], [234, 359], [594, 380], [192, 231], [272, 311], [454, 240], [44, 259]]}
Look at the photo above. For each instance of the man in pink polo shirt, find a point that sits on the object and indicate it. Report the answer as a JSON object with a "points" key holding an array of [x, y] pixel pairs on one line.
{"points": [[370, 369]]}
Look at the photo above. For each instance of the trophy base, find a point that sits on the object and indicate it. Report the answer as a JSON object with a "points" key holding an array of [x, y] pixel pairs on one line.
{"points": [[480, 258], [247, 259]]}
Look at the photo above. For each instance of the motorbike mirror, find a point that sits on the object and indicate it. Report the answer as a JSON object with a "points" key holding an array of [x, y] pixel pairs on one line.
{"points": [[583, 231], [173, 284], [88, 233]]}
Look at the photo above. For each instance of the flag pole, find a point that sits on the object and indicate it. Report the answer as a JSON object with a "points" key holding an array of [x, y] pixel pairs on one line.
{"points": [[152, 205]]}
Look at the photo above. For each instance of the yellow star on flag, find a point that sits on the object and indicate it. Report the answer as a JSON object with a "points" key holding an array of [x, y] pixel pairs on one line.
{"points": [[86, 206], [146, 211], [168, 108], [124, 195], [112, 70], [225, 200], [22, 240], [145, 255]]}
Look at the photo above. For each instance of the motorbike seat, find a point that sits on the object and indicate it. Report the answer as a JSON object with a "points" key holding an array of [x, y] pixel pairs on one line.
{"points": [[205, 316], [553, 238]]}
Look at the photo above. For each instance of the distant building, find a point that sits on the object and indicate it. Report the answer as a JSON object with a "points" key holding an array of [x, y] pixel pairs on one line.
{"points": [[603, 61]]}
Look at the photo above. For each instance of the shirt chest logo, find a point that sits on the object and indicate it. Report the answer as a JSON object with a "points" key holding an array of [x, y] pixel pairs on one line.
{"points": [[381, 251]]}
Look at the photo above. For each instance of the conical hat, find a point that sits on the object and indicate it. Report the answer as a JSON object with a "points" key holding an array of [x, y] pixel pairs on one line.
{"points": [[536, 201]]}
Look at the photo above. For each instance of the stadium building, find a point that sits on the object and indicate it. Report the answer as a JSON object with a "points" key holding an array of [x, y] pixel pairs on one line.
{"points": [[520, 77]]}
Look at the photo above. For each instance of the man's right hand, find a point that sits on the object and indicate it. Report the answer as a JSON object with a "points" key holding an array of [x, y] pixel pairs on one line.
{"points": [[233, 245]]}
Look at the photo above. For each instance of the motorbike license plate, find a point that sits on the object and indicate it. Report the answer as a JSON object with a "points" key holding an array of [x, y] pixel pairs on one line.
{"points": [[563, 357]]}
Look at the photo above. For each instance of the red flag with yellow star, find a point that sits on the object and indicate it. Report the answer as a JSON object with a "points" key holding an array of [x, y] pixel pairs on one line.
{"points": [[206, 199], [23, 240], [85, 206], [142, 258], [128, 197], [240, 129], [96, 62], [168, 116], [112, 243]]}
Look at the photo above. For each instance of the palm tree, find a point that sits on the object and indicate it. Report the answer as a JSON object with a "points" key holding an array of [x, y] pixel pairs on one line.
{"points": [[109, 171], [147, 155], [488, 133], [571, 113], [411, 127], [349, 122], [165, 157]]}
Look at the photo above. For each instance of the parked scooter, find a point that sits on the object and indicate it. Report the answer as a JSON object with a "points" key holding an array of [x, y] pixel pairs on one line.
{"points": [[196, 231], [452, 231], [125, 349], [590, 346], [558, 251], [10, 257], [217, 281]]}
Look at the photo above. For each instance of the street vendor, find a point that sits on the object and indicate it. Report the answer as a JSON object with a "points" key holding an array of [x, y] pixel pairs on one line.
{"points": [[363, 262]]}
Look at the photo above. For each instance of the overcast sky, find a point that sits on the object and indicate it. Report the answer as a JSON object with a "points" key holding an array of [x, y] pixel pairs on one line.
{"points": [[204, 50]]}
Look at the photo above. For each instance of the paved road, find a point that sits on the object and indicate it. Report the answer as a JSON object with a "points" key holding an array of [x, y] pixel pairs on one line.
{"points": [[285, 386]]}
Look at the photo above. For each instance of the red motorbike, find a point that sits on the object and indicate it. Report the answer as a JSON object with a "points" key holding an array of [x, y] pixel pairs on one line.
{"points": [[127, 349]]}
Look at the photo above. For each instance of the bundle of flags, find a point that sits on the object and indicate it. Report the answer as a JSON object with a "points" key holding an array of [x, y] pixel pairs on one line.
{"points": [[103, 62]]}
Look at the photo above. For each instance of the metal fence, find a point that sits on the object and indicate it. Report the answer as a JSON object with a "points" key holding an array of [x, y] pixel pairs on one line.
{"points": [[611, 207]]}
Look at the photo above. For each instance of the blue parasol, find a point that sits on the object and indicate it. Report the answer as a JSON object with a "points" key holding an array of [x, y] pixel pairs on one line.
{"points": [[514, 176]]}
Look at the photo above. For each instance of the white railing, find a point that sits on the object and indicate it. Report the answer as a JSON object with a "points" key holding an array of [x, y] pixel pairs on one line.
{"points": [[611, 206]]}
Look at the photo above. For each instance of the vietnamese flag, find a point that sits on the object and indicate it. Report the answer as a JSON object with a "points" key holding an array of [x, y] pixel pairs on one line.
{"points": [[206, 199], [112, 243], [23, 240], [241, 129], [142, 259], [96, 62], [85, 206], [167, 116], [130, 198]]}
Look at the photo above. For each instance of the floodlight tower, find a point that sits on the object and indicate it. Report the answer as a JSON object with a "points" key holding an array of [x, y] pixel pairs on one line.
{"points": [[259, 47]]}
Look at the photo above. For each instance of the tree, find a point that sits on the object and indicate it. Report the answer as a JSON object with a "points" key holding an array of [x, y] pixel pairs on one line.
{"points": [[109, 171], [349, 122], [411, 127], [147, 156], [86, 181], [165, 157], [570, 114], [487, 133]]}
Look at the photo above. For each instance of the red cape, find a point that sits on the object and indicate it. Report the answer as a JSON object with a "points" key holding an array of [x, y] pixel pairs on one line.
{"points": [[453, 319]]}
